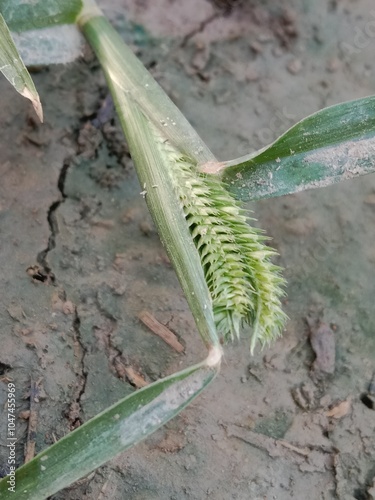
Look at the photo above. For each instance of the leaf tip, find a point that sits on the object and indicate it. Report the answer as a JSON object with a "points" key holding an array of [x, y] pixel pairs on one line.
{"points": [[34, 98]]}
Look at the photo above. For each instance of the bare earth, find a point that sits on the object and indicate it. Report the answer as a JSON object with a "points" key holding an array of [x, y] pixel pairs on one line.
{"points": [[80, 260]]}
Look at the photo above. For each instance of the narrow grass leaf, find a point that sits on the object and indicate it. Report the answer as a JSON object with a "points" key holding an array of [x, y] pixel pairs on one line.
{"points": [[334, 144], [155, 172], [14, 70], [57, 45], [130, 76], [24, 15], [108, 434]]}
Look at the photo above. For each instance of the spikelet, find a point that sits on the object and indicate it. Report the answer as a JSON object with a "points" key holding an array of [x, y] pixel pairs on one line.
{"points": [[244, 284]]}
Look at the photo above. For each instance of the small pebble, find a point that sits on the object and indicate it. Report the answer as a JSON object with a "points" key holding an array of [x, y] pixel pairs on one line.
{"points": [[256, 47], [295, 66], [145, 228], [333, 65]]}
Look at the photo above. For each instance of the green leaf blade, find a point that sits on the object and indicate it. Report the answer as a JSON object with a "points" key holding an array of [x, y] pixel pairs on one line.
{"points": [[43, 47], [108, 434], [22, 15], [130, 76], [334, 144], [154, 167], [14, 70]]}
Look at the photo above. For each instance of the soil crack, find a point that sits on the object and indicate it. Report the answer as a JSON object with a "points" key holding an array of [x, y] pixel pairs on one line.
{"points": [[75, 409], [119, 365], [44, 272], [200, 28]]}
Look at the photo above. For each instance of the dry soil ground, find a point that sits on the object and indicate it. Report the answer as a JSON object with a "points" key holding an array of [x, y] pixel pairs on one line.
{"points": [[80, 260]]}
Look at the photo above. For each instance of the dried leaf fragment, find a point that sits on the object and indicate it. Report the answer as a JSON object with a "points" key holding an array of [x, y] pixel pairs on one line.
{"points": [[340, 410]]}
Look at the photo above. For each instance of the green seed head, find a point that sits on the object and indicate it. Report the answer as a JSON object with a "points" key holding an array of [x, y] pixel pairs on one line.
{"points": [[244, 285]]}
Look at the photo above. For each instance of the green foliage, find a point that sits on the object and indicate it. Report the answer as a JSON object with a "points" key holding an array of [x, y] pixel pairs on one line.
{"points": [[153, 163], [222, 263], [127, 74], [334, 144], [244, 285], [24, 15], [14, 70], [242, 282], [104, 436]]}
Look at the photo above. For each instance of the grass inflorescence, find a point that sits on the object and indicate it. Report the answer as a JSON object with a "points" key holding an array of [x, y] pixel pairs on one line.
{"points": [[245, 286]]}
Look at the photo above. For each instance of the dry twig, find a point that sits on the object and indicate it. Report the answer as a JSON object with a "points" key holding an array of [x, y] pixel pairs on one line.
{"points": [[161, 331]]}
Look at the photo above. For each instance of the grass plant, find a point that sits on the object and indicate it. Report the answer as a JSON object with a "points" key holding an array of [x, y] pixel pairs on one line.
{"points": [[224, 263]]}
